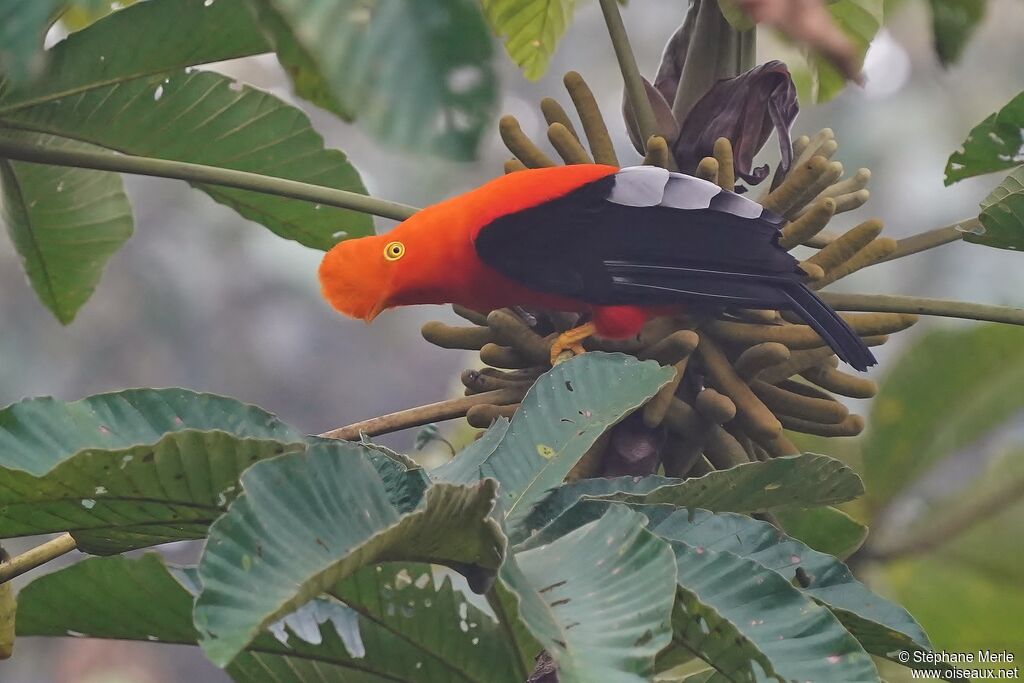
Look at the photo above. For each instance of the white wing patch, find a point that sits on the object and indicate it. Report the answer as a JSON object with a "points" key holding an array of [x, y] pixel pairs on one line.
{"points": [[687, 192], [654, 186], [639, 186]]}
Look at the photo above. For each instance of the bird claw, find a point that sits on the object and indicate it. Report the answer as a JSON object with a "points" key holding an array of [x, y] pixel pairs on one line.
{"points": [[570, 340]]}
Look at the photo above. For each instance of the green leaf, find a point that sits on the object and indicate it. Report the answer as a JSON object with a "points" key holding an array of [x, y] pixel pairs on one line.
{"points": [[1002, 215], [923, 414], [23, 24], [129, 469], [598, 599], [750, 623], [790, 481], [735, 15], [994, 144], [65, 224], [146, 39], [860, 21], [530, 30], [826, 529], [562, 415], [882, 627], [200, 116], [417, 73], [308, 520], [953, 22], [464, 468], [408, 626]]}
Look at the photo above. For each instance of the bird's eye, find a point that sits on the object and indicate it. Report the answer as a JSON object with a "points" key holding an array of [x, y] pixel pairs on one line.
{"points": [[394, 251]]}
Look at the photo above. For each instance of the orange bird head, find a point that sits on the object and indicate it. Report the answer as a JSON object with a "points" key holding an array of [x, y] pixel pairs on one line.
{"points": [[415, 263]]}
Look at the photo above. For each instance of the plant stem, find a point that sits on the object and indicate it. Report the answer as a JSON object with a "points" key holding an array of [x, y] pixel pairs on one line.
{"points": [[636, 91], [937, 535], [421, 415], [198, 173], [932, 238], [35, 557], [884, 303], [494, 601]]}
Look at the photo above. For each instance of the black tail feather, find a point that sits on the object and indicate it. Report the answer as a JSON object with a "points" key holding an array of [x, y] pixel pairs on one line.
{"points": [[830, 326]]}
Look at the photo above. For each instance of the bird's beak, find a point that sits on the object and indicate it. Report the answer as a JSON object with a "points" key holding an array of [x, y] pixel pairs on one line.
{"points": [[376, 310]]}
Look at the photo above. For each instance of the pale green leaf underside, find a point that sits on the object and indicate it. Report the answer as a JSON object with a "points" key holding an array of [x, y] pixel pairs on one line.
{"points": [[281, 543], [408, 625], [598, 599], [65, 224], [751, 624], [792, 481], [565, 411], [1002, 215]]}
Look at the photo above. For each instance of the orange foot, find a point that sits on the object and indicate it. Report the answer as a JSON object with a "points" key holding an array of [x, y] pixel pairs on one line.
{"points": [[570, 340]]}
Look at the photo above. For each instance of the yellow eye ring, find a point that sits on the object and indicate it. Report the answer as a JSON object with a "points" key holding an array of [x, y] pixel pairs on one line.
{"points": [[394, 251]]}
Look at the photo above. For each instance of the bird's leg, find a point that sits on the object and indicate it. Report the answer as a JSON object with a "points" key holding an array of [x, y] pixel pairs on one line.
{"points": [[570, 340]]}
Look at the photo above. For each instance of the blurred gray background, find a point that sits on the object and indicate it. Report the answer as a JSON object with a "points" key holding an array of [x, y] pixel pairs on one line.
{"points": [[200, 298]]}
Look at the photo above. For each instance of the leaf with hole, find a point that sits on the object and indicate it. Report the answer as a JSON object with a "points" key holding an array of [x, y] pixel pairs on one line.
{"points": [[281, 544], [995, 144], [129, 469], [126, 90], [560, 418], [398, 622], [598, 599]]}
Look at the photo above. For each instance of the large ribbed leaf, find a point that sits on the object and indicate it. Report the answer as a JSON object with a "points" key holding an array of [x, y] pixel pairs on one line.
{"points": [[174, 34], [159, 110], [129, 469], [598, 599], [400, 624], [65, 223], [308, 520], [562, 415], [464, 467], [791, 481], [882, 627], [752, 624], [530, 29], [1002, 215], [417, 73], [995, 144]]}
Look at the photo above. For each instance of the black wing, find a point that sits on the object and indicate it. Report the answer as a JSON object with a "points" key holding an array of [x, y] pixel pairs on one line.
{"points": [[644, 236]]}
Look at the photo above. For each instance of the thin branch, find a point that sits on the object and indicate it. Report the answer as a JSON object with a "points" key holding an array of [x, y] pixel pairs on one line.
{"points": [[935, 536], [884, 303], [35, 557], [636, 92], [421, 415], [932, 238], [198, 173]]}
